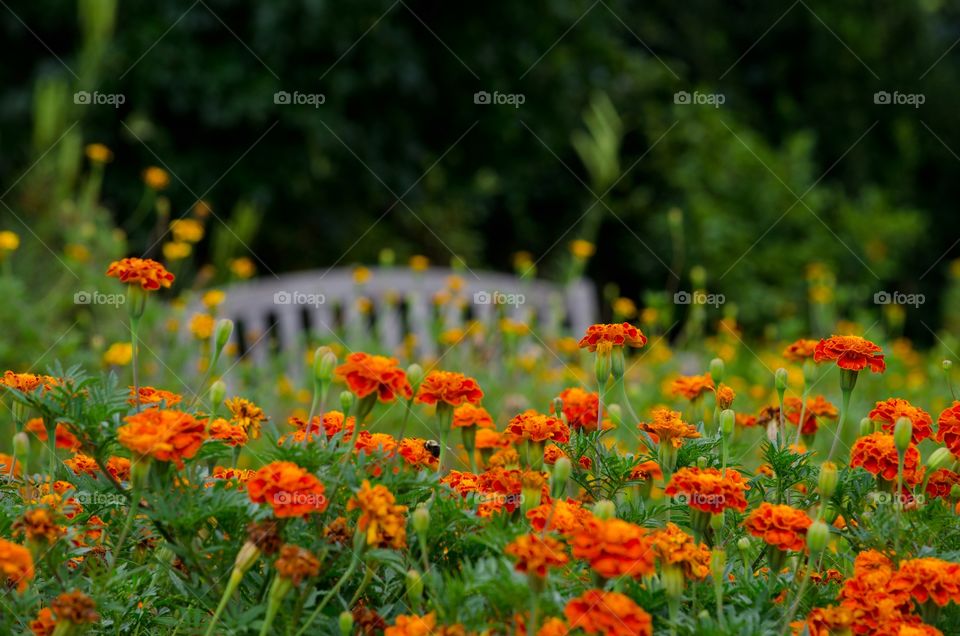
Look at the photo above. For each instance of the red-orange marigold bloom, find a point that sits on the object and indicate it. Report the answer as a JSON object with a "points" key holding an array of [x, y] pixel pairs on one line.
{"points": [[646, 471], [948, 428], [675, 547], [534, 554], [468, 414], [489, 438], [925, 579], [746, 420], [889, 411], [691, 386], [27, 382], [725, 396], [462, 482], [366, 374], [877, 454], [609, 614], [669, 428], [163, 434], [708, 489], [246, 414], [16, 565], [38, 524], [119, 468], [296, 563], [383, 520], [332, 423], [414, 452], [607, 336], [82, 464], [554, 627], [64, 438], [233, 476], [817, 407], [800, 350], [450, 388], [940, 482], [289, 489], [824, 621], [850, 352], [150, 396], [147, 273], [565, 517], [534, 427], [412, 625], [371, 443], [614, 547], [580, 408], [230, 434], [779, 525], [44, 623], [74, 607]]}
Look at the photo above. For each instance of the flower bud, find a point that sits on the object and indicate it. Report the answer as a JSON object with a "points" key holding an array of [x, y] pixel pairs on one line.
{"points": [[743, 544], [716, 521], [421, 519], [415, 375], [940, 458], [222, 333], [809, 372], [902, 432], [324, 361], [702, 462], [672, 579], [617, 363], [345, 623], [827, 483], [246, 557], [817, 536], [605, 509], [561, 473], [728, 420], [414, 582], [955, 491], [602, 367], [947, 364], [218, 391], [866, 426], [21, 444], [780, 380], [717, 369], [346, 402]]}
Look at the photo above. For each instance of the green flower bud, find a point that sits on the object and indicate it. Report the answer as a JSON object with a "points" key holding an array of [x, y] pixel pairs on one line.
{"points": [[218, 391], [561, 473], [717, 369], [827, 483], [809, 372], [421, 519], [605, 509], [602, 367], [947, 364], [617, 363], [346, 401], [324, 362], [866, 426], [716, 521], [387, 257], [672, 579], [902, 432], [848, 379], [345, 623], [246, 557], [21, 444], [940, 458], [414, 582], [728, 421], [955, 491], [817, 536], [222, 333], [702, 462], [558, 407], [780, 380], [415, 375]]}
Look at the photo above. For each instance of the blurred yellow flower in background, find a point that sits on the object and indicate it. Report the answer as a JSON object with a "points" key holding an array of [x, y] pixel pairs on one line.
{"points": [[242, 267], [98, 153], [202, 325], [581, 249], [176, 251], [9, 241], [419, 263], [202, 209], [213, 298], [156, 178], [118, 354], [186, 230], [361, 275], [77, 252], [624, 308]]}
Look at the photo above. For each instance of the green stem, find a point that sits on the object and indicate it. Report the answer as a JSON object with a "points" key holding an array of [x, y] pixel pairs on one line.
{"points": [[235, 577], [127, 525], [838, 433], [326, 599]]}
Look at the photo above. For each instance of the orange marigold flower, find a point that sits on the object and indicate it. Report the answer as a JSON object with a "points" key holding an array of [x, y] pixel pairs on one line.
{"points": [[296, 563], [669, 428], [708, 489], [230, 434], [889, 411], [16, 565], [289, 489], [816, 407], [413, 626], [606, 336], [940, 482], [779, 525], [119, 468], [927, 579], [725, 396], [27, 382], [506, 457], [370, 443], [382, 519], [247, 415], [534, 554], [580, 408], [877, 454], [675, 547], [534, 427], [64, 438], [82, 464], [75, 607], [850, 352], [800, 350], [147, 273], [469, 415], [746, 420], [462, 482], [415, 453], [824, 621], [448, 387], [44, 623], [332, 423], [366, 374], [609, 614], [646, 471], [948, 428], [150, 396], [614, 547], [691, 386], [163, 434], [551, 453], [489, 438], [38, 524], [566, 517], [233, 476], [554, 627]]}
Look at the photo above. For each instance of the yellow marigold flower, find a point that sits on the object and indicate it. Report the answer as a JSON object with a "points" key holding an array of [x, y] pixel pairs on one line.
{"points": [[149, 274], [118, 354], [186, 230], [202, 326], [382, 519], [98, 153], [9, 241], [624, 308], [581, 249], [454, 283], [296, 563], [361, 275], [242, 267], [38, 525], [176, 251], [247, 415], [156, 178], [213, 298], [419, 263], [75, 608], [202, 209]]}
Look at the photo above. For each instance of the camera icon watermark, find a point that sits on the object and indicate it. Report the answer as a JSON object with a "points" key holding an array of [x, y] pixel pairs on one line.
{"points": [[897, 98], [498, 98], [898, 298], [96, 98], [296, 98], [298, 298], [84, 297], [904, 499], [698, 298], [498, 298], [697, 98]]}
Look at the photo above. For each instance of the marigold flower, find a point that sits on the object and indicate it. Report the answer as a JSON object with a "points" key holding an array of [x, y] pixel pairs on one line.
{"points": [[366, 374], [606, 336], [646, 471], [98, 153], [609, 614], [824, 621], [44, 623], [534, 554], [186, 230], [614, 547], [708, 489], [725, 396], [296, 563], [414, 626], [289, 489], [152, 396], [118, 354], [462, 482], [534, 427], [202, 326], [669, 428], [675, 547], [817, 407], [779, 525], [926, 579], [554, 627], [163, 434], [82, 464], [469, 415], [147, 273], [850, 352], [382, 519], [889, 411], [28, 382], [488, 438], [948, 428], [230, 434], [370, 443], [233, 476], [877, 454], [551, 453], [448, 387], [74, 607], [119, 468], [415, 453], [39, 524], [332, 423], [691, 386], [64, 438], [246, 414], [580, 408], [16, 565], [745, 420], [566, 517], [800, 350], [940, 482]]}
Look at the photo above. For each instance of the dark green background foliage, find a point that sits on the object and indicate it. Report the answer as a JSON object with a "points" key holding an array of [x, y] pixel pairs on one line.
{"points": [[877, 181]]}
